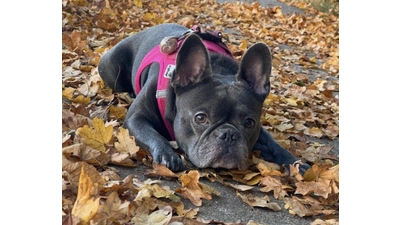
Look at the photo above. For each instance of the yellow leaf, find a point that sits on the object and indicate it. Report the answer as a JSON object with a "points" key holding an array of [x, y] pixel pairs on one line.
{"points": [[138, 3], [87, 202], [68, 93], [291, 101], [97, 137], [148, 16], [126, 143], [117, 112], [243, 45], [81, 99]]}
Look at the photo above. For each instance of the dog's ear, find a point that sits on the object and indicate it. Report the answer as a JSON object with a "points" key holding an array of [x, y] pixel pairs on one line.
{"points": [[255, 68], [192, 62]]}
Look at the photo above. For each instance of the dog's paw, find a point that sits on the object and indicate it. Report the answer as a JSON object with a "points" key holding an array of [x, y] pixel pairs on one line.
{"points": [[303, 168], [170, 160]]}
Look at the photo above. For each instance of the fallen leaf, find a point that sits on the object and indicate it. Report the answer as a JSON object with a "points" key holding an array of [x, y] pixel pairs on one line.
{"points": [[98, 136], [263, 202], [275, 185], [126, 143], [191, 188], [159, 217], [322, 187], [295, 207], [88, 201]]}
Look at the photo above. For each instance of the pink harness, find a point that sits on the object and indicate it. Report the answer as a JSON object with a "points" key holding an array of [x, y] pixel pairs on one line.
{"points": [[167, 66]]}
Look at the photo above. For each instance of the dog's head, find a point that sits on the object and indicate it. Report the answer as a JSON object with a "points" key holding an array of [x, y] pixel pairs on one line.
{"points": [[215, 103]]}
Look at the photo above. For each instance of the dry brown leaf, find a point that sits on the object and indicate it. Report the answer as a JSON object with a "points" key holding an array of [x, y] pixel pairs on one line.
{"points": [[159, 217], [322, 187], [266, 170], [192, 189], [113, 209], [126, 143], [263, 202], [122, 159], [273, 184], [295, 207], [161, 170], [325, 222]]}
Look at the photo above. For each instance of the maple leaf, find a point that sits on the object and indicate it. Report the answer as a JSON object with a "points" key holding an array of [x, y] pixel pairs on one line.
{"points": [[320, 188], [295, 207], [191, 188], [88, 201], [112, 210], [320, 180], [126, 143], [273, 184], [98, 136]]}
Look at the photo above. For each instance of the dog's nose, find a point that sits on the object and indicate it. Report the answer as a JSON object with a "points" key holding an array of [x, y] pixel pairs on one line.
{"points": [[227, 134]]}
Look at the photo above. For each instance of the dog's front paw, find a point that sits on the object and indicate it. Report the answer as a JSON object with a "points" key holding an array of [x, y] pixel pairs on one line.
{"points": [[170, 160], [303, 168]]}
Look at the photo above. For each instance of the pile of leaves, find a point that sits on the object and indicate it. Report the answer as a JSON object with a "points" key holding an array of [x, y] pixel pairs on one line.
{"points": [[303, 102]]}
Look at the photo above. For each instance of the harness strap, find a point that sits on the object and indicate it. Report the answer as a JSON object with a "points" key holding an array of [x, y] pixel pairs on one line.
{"points": [[167, 66]]}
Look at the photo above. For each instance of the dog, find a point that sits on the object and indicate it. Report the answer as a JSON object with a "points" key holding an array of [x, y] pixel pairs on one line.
{"points": [[188, 88]]}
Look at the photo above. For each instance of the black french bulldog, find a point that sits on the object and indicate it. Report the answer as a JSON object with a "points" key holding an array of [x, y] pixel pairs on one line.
{"points": [[213, 103]]}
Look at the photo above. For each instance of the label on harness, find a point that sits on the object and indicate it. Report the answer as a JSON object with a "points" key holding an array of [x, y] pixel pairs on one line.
{"points": [[169, 70]]}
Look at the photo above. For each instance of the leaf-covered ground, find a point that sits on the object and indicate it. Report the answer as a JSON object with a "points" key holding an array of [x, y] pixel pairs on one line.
{"points": [[303, 105]]}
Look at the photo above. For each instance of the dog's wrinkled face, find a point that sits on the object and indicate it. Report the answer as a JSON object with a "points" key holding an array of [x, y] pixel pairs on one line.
{"points": [[216, 118], [219, 127]]}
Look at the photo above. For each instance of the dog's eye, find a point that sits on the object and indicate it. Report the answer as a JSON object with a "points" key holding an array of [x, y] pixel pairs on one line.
{"points": [[249, 123], [201, 118]]}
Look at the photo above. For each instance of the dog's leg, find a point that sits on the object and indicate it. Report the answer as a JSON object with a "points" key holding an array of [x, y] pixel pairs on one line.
{"points": [[273, 152], [143, 120]]}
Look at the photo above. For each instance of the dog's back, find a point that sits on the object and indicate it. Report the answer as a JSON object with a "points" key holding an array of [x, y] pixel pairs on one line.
{"points": [[118, 66]]}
